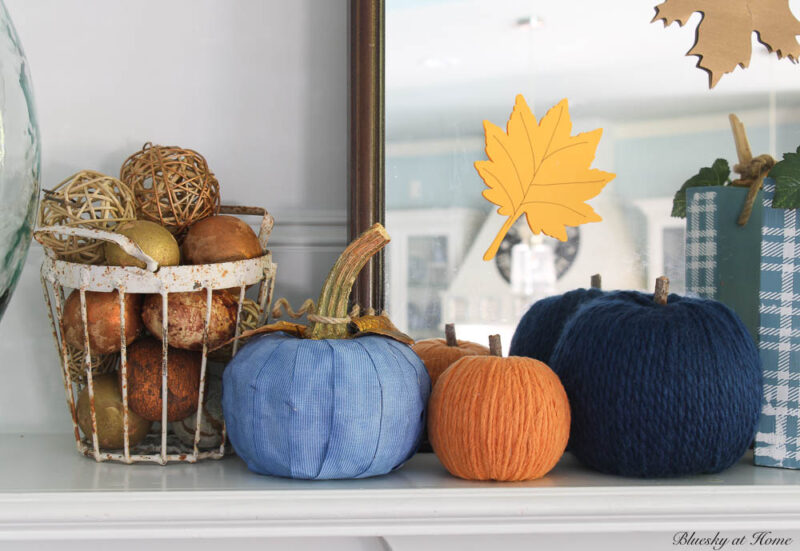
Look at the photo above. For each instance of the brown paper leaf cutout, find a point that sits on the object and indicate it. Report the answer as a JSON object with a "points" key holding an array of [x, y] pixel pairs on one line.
{"points": [[723, 36]]}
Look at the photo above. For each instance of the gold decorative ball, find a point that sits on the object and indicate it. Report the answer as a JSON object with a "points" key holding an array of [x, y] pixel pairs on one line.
{"points": [[152, 238], [171, 186], [108, 411], [88, 200]]}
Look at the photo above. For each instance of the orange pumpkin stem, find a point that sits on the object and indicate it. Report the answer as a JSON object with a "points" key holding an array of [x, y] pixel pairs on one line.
{"points": [[596, 282], [662, 290], [450, 334], [495, 346], [335, 295]]}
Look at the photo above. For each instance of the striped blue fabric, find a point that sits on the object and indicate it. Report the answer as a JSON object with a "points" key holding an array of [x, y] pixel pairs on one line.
{"points": [[778, 437], [701, 242], [323, 409]]}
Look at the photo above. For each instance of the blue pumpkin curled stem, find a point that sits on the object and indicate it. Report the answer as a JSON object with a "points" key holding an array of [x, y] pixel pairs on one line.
{"points": [[328, 318], [335, 294]]}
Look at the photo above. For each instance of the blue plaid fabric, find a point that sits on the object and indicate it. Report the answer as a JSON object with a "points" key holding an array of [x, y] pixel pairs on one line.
{"points": [[701, 243], [778, 437]]}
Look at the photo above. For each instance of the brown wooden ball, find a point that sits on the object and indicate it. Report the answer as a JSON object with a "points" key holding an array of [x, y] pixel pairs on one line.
{"points": [[108, 410], [220, 238], [144, 380], [439, 354], [102, 315], [187, 313]]}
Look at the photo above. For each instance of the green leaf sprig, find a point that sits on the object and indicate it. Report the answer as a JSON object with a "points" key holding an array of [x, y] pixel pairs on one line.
{"points": [[786, 174], [718, 174]]}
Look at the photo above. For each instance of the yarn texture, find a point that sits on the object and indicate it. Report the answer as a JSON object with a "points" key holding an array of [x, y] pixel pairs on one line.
{"points": [[497, 418], [659, 391], [438, 356], [539, 329], [322, 409]]}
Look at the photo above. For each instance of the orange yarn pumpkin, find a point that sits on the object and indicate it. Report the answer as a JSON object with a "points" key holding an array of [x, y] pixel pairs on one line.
{"points": [[493, 418], [439, 354]]}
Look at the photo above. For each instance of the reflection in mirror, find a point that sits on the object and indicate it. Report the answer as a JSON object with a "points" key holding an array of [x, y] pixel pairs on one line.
{"points": [[450, 64]]}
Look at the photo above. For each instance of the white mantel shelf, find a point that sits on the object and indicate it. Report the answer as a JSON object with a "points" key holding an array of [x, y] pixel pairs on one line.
{"points": [[48, 491]]}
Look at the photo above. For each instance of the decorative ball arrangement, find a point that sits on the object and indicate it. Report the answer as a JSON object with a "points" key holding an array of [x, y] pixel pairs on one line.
{"points": [[660, 386], [89, 200], [103, 319], [171, 186], [154, 240], [220, 238], [539, 329], [144, 380], [186, 315], [495, 418], [108, 408], [439, 354], [169, 193], [328, 406]]}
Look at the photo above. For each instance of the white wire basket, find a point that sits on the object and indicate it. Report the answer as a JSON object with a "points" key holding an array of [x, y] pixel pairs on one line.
{"points": [[161, 445]]}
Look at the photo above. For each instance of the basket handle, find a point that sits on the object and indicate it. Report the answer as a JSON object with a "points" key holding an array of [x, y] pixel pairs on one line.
{"points": [[267, 221], [126, 243]]}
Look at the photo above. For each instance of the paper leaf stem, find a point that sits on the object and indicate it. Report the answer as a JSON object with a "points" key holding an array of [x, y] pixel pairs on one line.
{"points": [[542, 171]]}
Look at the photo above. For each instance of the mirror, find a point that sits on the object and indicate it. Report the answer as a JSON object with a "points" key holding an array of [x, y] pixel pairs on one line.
{"points": [[450, 64]]}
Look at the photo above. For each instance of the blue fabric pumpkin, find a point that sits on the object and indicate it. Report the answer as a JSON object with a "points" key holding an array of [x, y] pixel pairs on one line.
{"points": [[659, 390], [321, 403], [539, 329], [320, 409]]}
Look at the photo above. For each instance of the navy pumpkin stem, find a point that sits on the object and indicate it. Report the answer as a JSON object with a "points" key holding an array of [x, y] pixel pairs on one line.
{"points": [[335, 295], [662, 290]]}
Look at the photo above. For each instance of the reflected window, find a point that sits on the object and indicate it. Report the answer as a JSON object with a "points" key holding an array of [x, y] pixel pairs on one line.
{"points": [[451, 64]]}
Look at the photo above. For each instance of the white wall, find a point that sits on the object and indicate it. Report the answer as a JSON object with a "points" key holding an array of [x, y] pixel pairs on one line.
{"points": [[257, 86]]}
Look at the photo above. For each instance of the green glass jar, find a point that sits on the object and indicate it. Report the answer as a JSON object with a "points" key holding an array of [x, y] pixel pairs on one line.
{"points": [[19, 158]]}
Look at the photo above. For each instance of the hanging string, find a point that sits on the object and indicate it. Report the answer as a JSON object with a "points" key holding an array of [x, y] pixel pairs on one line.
{"points": [[752, 175], [752, 170]]}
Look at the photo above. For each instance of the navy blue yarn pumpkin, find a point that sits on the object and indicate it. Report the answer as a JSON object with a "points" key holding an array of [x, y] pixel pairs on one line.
{"points": [[313, 403], [539, 329], [659, 390]]}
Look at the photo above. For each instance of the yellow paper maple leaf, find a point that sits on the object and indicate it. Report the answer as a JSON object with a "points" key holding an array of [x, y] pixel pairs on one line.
{"points": [[723, 35], [540, 170]]}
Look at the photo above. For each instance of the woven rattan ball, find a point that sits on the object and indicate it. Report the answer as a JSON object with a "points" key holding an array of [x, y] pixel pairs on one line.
{"points": [[248, 319], [76, 364], [90, 200], [171, 186]]}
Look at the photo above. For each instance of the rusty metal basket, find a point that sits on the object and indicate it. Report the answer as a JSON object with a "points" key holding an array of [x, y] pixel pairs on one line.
{"points": [[161, 445]]}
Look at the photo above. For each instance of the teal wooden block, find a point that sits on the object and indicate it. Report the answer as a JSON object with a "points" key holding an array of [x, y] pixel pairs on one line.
{"points": [[723, 259]]}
